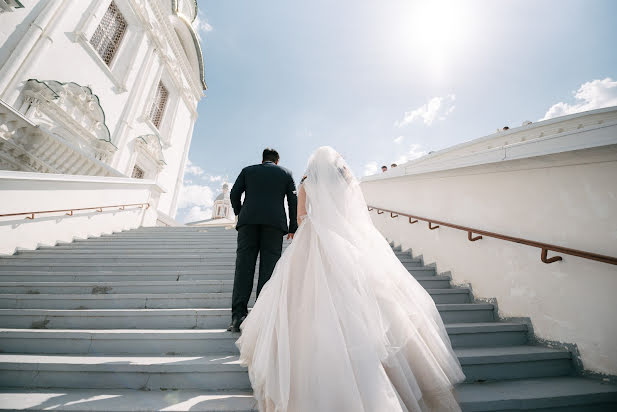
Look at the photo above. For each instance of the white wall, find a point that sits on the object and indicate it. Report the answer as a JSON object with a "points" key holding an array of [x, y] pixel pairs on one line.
{"points": [[567, 199], [31, 192]]}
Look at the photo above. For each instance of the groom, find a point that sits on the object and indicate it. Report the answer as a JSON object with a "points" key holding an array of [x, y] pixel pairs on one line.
{"points": [[262, 223]]}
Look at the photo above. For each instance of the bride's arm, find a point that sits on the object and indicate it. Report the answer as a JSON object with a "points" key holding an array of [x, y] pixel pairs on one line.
{"points": [[301, 203]]}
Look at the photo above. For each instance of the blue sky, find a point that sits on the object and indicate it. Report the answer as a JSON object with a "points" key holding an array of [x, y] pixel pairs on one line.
{"points": [[383, 82]]}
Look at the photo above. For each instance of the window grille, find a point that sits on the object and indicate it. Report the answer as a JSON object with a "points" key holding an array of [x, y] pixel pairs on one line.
{"points": [[138, 173], [108, 35], [158, 106]]}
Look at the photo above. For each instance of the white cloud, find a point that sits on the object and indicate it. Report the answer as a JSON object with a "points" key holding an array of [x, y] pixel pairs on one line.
{"points": [[196, 213], [370, 168], [195, 195], [437, 108], [415, 151], [201, 25], [398, 139], [213, 178], [192, 169], [592, 95]]}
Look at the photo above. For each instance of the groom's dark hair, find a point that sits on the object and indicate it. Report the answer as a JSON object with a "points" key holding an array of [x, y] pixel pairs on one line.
{"points": [[270, 155]]}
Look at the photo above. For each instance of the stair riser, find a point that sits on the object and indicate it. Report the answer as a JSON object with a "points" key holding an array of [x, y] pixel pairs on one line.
{"points": [[488, 339], [185, 346], [226, 258], [153, 301], [120, 346], [137, 267], [237, 378], [158, 321], [517, 370], [112, 277], [114, 302], [125, 380], [116, 322], [145, 276], [222, 286], [455, 316]]}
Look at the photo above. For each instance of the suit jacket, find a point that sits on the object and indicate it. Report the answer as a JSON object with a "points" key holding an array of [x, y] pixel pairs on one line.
{"points": [[265, 187]]}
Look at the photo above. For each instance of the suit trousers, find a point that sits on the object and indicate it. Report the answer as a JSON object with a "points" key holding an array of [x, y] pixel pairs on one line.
{"points": [[265, 240]]}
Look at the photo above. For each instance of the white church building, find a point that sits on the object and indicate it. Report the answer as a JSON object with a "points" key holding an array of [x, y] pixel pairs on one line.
{"points": [[222, 212], [101, 88]]}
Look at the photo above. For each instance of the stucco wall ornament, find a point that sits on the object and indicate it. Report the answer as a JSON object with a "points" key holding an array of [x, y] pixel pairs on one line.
{"points": [[151, 148], [70, 111]]}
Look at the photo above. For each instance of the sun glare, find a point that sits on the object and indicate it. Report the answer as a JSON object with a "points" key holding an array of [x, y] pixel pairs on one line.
{"points": [[435, 30]]}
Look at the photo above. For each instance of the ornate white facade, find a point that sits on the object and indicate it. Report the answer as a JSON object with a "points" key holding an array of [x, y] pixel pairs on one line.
{"points": [[100, 88]]}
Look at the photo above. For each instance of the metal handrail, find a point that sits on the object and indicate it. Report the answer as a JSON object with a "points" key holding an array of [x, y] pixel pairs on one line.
{"points": [[97, 208], [545, 247]]}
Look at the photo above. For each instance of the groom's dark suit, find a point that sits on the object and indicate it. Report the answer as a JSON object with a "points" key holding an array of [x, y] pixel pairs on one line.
{"points": [[262, 223]]}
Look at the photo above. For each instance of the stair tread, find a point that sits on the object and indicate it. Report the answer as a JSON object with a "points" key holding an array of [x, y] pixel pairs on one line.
{"points": [[519, 352], [127, 399], [212, 332], [443, 306], [229, 362], [473, 396], [119, 363], [510, 394], [187, 295]]}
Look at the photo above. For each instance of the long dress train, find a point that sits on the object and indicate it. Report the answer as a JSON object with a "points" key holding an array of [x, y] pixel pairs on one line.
{"points": [[341, 325]]}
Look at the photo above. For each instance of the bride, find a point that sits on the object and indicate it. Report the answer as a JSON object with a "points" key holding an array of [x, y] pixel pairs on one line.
{"points": [[341, 326]]}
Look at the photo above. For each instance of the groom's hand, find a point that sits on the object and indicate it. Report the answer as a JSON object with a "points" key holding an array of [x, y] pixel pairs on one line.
{"points": [[290, 236]]}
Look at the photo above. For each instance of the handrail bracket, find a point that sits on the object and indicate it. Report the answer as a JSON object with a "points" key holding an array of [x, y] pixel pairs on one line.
{"points": [[473, 239], [551, 260]]}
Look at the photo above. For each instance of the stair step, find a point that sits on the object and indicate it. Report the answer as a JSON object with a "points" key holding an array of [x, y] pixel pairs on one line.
{"points": [[486, 334], [45, 282], [513, 362], [146, 285], [105, 275], [223, 371], [121, 400], [179, 318], [560, 393], [158, 300], [116, 301], [548, 394], [118, 341], [122, 257], [201, 341], [123, 372]]}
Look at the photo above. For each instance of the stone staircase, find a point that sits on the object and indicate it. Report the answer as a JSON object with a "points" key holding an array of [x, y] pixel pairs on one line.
{"points": [[136, 321]]}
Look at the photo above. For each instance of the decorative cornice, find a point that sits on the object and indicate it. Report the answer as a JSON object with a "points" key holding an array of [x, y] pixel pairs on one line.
{"points": [[163, 36]]}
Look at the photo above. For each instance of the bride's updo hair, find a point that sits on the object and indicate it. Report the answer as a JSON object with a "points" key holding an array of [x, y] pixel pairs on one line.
{"points": [[326, 164]]}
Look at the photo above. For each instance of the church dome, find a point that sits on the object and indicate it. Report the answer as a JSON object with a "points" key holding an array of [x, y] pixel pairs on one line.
{"points": [[220, 197]]}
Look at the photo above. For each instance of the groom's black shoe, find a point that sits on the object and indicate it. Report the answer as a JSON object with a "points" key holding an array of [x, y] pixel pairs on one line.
{"points": [[234, 326]]}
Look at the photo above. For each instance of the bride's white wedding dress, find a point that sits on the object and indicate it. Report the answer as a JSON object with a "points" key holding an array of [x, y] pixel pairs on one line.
{"points": [[341, 326]]}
